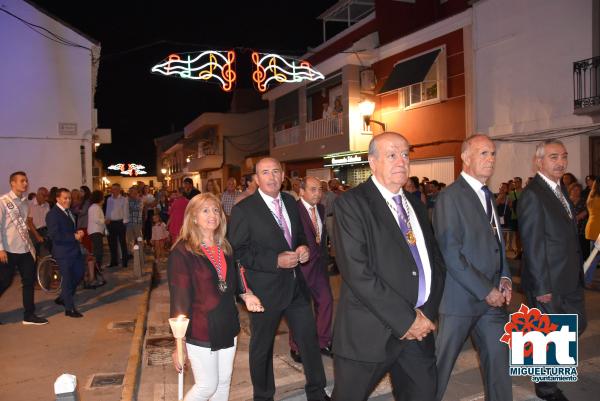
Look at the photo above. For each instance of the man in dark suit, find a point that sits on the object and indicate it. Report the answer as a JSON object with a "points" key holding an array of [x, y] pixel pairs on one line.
{"points": [[312, 215], [66, 249], [267, 237], [552, 275], [393, 278], [478, 280]]}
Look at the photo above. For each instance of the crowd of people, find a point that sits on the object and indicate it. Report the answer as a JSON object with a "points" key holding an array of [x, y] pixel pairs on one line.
{"points": [[415, 257]]}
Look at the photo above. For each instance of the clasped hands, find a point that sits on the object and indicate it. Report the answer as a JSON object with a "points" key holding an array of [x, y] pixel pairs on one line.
{"points": [[420, 328], [290, 259], [502, 295], [79, 235]]}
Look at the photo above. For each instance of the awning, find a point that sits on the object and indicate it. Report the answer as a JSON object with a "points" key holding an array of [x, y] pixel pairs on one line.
{"points": [[409, 72]]}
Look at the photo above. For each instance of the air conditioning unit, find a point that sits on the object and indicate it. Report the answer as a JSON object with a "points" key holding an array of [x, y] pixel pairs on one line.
{"points": [[367, 80]]}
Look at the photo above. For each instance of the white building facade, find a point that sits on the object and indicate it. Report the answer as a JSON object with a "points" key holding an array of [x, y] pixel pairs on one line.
{"points": [[525, 85], [47, 119]]}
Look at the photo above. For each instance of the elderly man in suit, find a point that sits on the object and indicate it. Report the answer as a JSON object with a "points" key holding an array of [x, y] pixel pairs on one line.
{"points": [[66, 249], [312, 215], [552, 275], [392, 282], [266, 234], [478, 280]]}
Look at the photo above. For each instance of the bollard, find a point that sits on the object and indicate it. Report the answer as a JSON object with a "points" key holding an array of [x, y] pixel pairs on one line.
{"points": [[65, 388], [137, 268], [142, 254]]}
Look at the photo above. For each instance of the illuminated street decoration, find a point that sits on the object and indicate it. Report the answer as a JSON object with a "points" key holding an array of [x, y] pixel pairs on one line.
{"points": [[272, 67], [215, 65], [130, 169]]}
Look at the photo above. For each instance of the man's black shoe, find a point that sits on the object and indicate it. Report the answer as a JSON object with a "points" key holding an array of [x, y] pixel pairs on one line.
{"points": [[556, 396], [327, 351], [34, 320], [296, 356], [73, 313], [59, 301]]}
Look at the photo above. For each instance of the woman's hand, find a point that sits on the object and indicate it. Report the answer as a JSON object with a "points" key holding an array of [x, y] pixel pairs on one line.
{"points": [[252, 303], [176, 363]]}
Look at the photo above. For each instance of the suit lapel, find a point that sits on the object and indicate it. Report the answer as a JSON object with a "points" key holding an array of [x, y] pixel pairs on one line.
{"points": [[553, 199], [473, 199], [265, 211], [305, 216]]}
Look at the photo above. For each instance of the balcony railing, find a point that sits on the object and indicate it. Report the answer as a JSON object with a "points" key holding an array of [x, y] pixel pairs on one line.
{"points": [[324, 128], [289, 136], [586, 84]]}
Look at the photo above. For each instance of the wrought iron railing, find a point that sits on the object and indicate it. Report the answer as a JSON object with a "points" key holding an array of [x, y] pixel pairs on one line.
{"points": [[586, 83]]}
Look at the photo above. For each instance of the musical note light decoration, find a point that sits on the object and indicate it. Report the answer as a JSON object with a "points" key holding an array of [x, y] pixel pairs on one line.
{"points": [[207, 65], [130, 169], [271, 67]]}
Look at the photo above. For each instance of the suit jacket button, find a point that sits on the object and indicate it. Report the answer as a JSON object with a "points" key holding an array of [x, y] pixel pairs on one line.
{"points": [[414, 273]]}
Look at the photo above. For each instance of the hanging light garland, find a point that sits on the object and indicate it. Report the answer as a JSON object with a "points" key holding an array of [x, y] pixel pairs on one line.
{"points": [[130, 169], [208, 65], [219, 67]]}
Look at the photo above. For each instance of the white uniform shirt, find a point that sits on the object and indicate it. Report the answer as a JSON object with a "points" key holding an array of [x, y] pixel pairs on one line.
{"points": [[10, 239], [117, 208]]}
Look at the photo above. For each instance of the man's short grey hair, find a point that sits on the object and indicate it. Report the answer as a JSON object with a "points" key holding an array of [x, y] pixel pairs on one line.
{"points": [[466, 144], [373, 151], [540, 149]]}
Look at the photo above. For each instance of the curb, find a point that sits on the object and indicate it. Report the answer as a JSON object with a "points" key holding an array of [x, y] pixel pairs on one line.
{"points": [[130, 381]]}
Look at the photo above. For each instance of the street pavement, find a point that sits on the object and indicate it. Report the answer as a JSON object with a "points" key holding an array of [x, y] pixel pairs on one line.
{"points": [[158, 381], [32, 357]]}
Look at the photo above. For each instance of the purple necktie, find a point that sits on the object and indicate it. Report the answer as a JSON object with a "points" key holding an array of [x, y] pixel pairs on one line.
{"points": [[404, 224], [282, 222]]}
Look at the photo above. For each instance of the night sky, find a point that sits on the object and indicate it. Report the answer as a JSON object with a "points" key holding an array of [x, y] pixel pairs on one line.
{"points": [[135, 35]]}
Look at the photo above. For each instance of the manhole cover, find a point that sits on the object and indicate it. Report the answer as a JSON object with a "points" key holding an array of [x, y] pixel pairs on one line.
{"points": [[159, 350], [128, 325], [107, 379], [162, 331]]}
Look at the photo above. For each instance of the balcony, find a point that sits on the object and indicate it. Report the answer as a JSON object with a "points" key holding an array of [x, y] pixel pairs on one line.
{"points": [[205, 163], [586, 85], [324, 128], [289, 136]]}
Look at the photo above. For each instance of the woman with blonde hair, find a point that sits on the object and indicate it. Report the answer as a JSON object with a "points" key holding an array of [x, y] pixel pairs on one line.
{"points": [[212, 186], [203, 283]]}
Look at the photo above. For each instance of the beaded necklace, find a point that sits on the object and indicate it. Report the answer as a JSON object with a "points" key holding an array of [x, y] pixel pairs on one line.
{"points": [[221, 284]]}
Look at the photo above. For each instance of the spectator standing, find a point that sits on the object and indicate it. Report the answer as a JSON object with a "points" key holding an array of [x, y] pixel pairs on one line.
{"points": [[178, 207], [148, 202], [97, 226], [592, 228], [589, 181], [581, 215], [513, 200], [229, 196], [16, 248], [189, 191], [251, 187], [213, 187], [136, 220], [38, 209], [117, 216], [160, 235], [162, 205]]}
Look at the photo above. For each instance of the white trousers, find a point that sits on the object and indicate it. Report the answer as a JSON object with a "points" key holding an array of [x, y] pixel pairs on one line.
{"points": [[212, 372]]}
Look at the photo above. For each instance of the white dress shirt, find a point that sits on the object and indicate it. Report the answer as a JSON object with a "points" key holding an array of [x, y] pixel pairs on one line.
{"points": [[319, 222], [269, 201], [416, 228], [10, 239], [476, 185], [38, 213], [117, 208]]}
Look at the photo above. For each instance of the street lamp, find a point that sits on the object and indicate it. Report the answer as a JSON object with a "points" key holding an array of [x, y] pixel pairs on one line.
{"points": [[366, 109], [163, 171]]}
